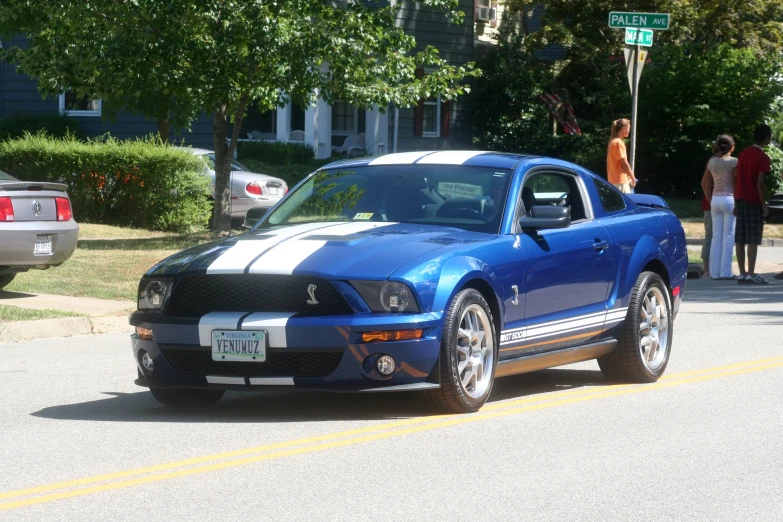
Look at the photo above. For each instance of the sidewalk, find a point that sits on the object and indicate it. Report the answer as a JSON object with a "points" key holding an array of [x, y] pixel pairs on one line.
{"points": [[99, 316]]}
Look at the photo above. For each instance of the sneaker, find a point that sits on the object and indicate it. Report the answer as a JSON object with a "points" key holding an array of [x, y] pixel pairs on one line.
{"points": [[743, 279], [757, 280]]}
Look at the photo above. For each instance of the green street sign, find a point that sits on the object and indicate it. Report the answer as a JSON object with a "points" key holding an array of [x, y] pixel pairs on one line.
{"points": [[657, 21], [643, 37]]}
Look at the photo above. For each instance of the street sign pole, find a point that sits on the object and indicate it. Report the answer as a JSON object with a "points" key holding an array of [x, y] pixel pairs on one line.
{"points": [[634, 104]]}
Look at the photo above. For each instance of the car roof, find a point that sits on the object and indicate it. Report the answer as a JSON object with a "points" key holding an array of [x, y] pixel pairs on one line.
{"points": [[198, 152], [448, 157]]}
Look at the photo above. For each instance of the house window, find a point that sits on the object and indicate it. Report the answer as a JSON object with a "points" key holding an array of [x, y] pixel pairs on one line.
{"points": [[73, 105], [345, 118], [430, 124]]}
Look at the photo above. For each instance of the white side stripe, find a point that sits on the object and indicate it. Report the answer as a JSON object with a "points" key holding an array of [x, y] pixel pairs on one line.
{"points": [[450, 157], [272, 381], [216, 321], [217, 379], [564, 326], [272, 323]]}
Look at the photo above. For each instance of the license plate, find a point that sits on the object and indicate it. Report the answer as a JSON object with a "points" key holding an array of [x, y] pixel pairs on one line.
{"points": [[43, 246], [231, 345], [273, 191]]}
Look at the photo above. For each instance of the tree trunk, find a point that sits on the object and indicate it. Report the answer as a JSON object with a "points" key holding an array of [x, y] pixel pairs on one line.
{"points": [[163, 129], [221, 221]]}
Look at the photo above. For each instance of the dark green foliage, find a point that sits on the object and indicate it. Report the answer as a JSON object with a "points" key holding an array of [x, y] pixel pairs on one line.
{"points": [[53, 124], [141, 183], [276, 153], [775, 181]]}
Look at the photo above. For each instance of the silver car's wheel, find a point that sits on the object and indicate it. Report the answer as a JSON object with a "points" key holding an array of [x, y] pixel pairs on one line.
{"points": [[475, 351], [654, 329], [467, 355], [644, 340]]}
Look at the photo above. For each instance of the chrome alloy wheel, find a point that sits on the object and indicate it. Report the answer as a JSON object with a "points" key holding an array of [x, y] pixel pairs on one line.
{"points": [[654, 329], [475, 351]]}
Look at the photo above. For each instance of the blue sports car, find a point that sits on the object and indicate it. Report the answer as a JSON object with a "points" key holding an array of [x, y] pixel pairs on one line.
{"points": [[428, 271]]}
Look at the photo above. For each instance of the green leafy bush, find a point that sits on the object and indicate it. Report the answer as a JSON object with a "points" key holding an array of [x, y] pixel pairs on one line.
{"points": [[53, 124], [138, 183], [775, 181], [276, 153]]}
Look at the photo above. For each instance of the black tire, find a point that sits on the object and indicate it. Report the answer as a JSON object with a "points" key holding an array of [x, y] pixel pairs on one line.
{"points": [[452, 397], [185, 398], [627, 362], [6, 279]]}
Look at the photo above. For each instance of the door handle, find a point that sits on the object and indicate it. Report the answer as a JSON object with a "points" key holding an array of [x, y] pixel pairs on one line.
{"points": [[600, 245]]}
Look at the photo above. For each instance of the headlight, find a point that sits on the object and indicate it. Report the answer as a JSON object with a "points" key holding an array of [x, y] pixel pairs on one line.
{"points": [[153, 293], [387, 296]]}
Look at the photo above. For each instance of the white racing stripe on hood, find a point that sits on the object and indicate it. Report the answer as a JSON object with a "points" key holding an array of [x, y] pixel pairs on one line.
{"points": [[272, 323], [235, 259], [216, 321], [400, 158], [449, 157], [285, 257]]}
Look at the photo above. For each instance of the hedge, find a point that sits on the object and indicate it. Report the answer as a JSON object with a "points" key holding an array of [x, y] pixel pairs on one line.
{"points": [[53, 124], [137, 183], [276, 153]]}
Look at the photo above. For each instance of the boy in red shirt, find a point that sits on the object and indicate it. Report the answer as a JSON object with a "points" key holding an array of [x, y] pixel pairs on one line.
{"points": [[750, 204]]}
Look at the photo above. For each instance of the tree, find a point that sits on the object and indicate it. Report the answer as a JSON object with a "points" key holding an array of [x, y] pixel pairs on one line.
{"points": [[179, 58]]}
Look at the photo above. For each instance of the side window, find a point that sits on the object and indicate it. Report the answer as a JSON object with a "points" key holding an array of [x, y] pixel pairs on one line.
{"points": [[611, 200], [554, 189]]}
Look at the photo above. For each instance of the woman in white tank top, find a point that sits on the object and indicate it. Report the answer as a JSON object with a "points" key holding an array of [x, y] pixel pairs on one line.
{"points": [[722, 169]]}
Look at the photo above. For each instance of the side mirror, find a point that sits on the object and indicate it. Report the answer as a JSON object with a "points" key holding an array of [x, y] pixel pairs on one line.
{"points": [[546, 217]]}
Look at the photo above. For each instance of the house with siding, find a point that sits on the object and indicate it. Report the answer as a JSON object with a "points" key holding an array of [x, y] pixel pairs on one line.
{"points": [[433, 124]]}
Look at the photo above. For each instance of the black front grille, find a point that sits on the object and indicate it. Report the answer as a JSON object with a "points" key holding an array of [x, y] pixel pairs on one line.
{"points": [[197, 295], [288, 363]]}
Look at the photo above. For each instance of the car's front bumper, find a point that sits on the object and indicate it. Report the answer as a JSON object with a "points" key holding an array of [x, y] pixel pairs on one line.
{"points": [[18, 240], [182, 354]]}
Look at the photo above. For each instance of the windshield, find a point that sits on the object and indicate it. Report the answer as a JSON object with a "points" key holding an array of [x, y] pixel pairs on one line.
{"points": [[4, 176], [471, 198], [235, 165]]}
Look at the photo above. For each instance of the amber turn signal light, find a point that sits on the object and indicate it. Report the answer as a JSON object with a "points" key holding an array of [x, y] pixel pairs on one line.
{"points": [[394, 335], [144, 333]]}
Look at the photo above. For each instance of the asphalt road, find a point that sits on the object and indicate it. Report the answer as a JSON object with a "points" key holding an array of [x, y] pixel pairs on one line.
{"points": [[78, 441]]}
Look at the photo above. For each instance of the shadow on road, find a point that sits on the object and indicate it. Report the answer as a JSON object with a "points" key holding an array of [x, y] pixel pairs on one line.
{"points": [[5, 294], [298, 406]]}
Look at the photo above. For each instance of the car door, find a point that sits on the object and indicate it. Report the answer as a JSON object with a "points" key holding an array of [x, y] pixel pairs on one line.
{"points": [[567, 271]]}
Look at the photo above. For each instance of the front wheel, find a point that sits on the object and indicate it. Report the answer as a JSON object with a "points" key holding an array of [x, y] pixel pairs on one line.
{"points": [[645, 340], [186, 398], [467, 356]]}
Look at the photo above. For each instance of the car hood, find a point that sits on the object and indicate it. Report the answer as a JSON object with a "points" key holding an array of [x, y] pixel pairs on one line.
{"points": [[357, 250]]}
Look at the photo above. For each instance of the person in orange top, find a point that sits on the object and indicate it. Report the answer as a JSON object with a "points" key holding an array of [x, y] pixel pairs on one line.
{"points": [[618, 170]]}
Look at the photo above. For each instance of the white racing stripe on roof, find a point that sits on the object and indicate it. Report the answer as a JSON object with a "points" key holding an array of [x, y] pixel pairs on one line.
{"points": [[400, 158], [285, 257], [450, 157], [235, 259], [216, 321], [272, 323]]}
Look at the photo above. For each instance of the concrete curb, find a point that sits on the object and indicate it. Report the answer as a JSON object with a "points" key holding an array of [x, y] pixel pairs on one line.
{"points": [[765, 242], [63, 327]]}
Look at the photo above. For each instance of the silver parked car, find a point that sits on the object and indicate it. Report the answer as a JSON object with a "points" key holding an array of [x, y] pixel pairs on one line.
{"points": [[37, 229], [248, 189]]}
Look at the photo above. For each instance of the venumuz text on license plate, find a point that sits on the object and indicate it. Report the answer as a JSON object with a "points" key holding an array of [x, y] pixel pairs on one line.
{"points": [[230, 345]]}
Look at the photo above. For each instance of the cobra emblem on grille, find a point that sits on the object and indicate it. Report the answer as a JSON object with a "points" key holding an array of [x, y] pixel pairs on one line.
{"points": [[36, 208], [311, 291]]}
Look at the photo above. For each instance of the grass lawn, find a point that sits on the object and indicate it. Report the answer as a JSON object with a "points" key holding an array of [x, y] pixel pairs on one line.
{"points": [[695, 228], [15, 313], [107, 264]]}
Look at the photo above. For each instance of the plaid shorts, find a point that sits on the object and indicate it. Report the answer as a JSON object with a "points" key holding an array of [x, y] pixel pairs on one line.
{"points": [[750, 223]]}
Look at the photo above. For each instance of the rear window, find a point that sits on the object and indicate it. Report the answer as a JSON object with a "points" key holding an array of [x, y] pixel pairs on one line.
{"points": [[4, 176]]}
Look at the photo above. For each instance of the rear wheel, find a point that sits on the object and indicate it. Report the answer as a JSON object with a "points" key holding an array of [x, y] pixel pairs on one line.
{"points": [[186, 398], [6, 279], [646, 336], [467, 357]]}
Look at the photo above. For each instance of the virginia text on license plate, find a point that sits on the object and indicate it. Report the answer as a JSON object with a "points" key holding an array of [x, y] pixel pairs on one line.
{"points": [[231, 345]]}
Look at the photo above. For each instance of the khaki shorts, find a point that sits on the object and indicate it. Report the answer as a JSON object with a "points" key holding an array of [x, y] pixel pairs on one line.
{"points": [[625, 188]]}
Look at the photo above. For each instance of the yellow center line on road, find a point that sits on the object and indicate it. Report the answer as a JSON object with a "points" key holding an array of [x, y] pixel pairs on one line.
{"points": [[361, 435]]}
